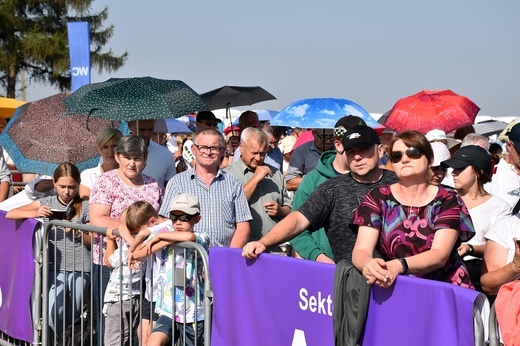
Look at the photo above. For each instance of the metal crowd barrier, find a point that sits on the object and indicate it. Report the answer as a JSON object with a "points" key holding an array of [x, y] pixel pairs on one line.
{"points": [[81, 330]]}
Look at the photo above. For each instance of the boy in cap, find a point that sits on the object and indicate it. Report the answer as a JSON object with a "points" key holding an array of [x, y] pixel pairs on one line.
{"points": [[180, 295]]}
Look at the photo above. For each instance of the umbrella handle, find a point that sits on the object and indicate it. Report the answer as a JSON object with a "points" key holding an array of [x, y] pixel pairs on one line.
{"points": [[228, 116]]}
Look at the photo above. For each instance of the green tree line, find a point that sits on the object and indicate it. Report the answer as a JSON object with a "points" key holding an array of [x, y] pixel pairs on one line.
{"points": [[33, 36]]}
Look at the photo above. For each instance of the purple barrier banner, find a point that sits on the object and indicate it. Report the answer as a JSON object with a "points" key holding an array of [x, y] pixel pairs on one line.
{"points": [[285, 301], [16, 277], [420, 312], [274, 300]]}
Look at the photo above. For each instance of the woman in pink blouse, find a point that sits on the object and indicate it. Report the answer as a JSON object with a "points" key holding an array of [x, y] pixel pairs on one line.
{"points": [[111, 194]]}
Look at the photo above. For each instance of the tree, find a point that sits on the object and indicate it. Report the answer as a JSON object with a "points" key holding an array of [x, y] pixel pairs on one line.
{"points": [[33, 36]]}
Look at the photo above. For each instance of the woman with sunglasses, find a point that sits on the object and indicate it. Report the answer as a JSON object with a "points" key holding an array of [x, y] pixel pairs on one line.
{"points": [[417, 227]]}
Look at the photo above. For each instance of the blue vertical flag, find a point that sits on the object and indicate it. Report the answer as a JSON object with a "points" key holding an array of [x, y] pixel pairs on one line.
{"points": [[79, 49]]}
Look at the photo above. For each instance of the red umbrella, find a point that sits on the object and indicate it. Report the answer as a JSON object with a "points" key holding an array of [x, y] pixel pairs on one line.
{"points": [[432, 109]]}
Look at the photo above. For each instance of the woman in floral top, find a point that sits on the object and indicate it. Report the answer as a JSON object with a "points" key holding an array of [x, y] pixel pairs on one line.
{"points": [[112, 193], [416, 225]]}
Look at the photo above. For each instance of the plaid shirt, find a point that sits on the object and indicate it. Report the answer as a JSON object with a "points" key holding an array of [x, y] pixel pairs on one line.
{"points": [[222, 204]]}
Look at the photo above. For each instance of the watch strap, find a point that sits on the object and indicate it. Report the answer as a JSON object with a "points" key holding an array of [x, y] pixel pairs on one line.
{"points": [[404, 263]]}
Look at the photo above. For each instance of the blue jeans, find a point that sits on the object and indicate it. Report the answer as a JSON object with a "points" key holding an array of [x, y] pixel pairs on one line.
{"points": [[100, 277], [66, 298]]}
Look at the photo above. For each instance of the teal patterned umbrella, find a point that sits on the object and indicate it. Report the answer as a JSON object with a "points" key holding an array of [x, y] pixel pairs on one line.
{"points": [[127, 99]]}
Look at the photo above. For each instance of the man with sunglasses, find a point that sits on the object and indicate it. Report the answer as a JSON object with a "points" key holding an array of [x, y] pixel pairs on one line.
{"points": [[204, 120], [263, 184], [506, 178], [226, 213], [333, 203], [305, 158]]}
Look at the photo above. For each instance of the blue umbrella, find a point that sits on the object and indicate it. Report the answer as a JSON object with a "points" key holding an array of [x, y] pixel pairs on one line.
{"points": [[321, 113]]}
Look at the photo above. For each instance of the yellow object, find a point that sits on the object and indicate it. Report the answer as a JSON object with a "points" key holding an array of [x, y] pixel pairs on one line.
{"points": [[504, 134], [8, 106]]}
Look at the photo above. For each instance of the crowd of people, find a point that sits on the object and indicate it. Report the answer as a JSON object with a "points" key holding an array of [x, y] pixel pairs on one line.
{"points": [[387, 203]]}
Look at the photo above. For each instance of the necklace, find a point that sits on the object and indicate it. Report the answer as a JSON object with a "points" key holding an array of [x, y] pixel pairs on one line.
{"points": [[479, 196]]}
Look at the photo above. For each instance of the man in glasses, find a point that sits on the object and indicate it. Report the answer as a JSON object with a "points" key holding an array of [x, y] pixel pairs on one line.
{"points": [[264, 186], [204, 120], [305, 158], [226, 213], [506, 178], [333, 203]]}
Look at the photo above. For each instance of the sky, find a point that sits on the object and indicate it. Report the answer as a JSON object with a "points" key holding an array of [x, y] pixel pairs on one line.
{"points": [[370, 52]]}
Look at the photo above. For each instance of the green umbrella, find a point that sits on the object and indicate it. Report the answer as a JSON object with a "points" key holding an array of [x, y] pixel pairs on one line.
{"points": [[127, 99]]}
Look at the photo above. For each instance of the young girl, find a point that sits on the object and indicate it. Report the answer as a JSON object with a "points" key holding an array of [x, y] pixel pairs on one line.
{"points": [[69, 257], [180, 296]]}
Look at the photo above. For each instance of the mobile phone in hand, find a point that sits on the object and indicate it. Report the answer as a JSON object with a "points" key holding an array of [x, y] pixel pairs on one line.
{"points": [[58, 214]]}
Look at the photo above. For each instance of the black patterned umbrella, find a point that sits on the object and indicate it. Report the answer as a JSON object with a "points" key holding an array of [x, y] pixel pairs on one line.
{"points": [[41, 135], [489, 127], [127, 99]]}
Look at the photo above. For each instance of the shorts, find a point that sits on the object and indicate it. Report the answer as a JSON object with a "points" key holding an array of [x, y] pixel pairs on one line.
{"points": [[176, 331], [146, 312]]}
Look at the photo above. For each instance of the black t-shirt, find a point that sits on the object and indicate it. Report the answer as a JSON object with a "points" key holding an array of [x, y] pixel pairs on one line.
{"points": [[332, 206]]}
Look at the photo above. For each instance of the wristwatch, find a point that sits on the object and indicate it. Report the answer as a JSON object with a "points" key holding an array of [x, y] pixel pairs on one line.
{"points": [[404, 264], [471, 249]]}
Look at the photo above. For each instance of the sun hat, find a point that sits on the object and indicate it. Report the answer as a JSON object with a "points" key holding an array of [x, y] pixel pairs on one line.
{"points": [[470, 155], [185, 202], [440, 153], [439, 135]]}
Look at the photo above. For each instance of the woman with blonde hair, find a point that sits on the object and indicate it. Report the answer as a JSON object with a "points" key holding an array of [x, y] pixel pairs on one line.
{"points": [[106, 142]]}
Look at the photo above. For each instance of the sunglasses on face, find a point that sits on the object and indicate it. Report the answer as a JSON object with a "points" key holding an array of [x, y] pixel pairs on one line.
{"points": [[182, 217], [413, 153]]}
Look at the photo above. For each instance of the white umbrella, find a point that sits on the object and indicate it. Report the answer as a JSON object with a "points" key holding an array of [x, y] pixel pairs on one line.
{"points": [[171, 126]]}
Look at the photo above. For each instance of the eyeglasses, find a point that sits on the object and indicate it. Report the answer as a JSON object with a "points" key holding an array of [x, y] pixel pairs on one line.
{"points": [[205, 148], [182, 217], [413, 153]]}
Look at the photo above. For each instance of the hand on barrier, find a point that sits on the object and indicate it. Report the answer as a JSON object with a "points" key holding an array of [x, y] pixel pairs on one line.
{"points": [[252, 249]]}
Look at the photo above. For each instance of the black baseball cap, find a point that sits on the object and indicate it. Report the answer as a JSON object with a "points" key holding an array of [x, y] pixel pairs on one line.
{"points": [[514, 136], [345, 123], [470, 155], [361, 136], [208, 116]]}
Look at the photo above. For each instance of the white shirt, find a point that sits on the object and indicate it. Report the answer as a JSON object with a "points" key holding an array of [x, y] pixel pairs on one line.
{"points": [[505, 183], [89, 176], [160, 164], [503, 233], [484, 216]]}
